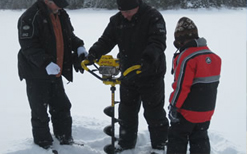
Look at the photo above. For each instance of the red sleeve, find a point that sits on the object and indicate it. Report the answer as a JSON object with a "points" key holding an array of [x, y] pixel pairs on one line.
{"points": [[185, 71], [183, 79]]}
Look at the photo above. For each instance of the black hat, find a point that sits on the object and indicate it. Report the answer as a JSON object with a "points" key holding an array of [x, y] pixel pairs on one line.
{"points": [[61, 3], [185, 30], [125, 5]]}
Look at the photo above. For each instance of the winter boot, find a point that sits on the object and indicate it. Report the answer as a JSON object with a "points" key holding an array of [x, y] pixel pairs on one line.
{"points": [[120, 150], [44, 144], [157, 151], [65, 140]]}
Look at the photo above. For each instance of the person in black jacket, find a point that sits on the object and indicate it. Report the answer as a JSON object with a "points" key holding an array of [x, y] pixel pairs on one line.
{"points": [[140, 33], [48, 49]]}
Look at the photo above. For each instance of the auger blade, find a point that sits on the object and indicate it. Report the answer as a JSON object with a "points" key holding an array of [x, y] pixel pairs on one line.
{"points": [[116, 102], [109, 111], [108, 130], [117, 120], [109, 149]]}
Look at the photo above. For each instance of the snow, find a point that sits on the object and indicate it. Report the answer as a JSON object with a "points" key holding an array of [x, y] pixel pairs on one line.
{"points": [[225, 31]]}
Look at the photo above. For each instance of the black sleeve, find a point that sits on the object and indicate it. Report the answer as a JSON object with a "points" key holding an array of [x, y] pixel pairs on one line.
{"points": [[28, 34], [157, 37], [105, 43], [76, 41]]}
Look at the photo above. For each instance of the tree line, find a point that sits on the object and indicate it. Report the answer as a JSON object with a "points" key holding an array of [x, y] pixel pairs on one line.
{"points": [[111, 4]]}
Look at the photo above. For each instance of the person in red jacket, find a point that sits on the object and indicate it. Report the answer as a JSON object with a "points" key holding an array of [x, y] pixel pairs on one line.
{"points": [[196, 72]]}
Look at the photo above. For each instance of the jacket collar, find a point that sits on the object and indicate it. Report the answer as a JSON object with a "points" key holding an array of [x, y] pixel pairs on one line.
{"points": [[194, 43]]}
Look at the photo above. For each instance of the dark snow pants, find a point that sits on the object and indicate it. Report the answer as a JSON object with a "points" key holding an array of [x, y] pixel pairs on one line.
{"points": [[151, 94], [184, 132], [41, 95]]}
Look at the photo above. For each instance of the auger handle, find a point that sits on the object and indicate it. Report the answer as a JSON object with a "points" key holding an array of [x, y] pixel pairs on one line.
{"points": [[135, 69], [131, 69], [84, 64]]}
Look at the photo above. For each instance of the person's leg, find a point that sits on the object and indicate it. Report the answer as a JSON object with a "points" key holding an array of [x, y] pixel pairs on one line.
{"points": [[199, 140], [177, 141], [128, 114], [152, 95], [60, 113], [38, 95], [178, 136]]}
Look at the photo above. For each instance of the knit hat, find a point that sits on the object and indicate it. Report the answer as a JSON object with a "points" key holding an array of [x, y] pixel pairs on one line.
{"points": [[125, 5], [185, 30], [61, 3]]}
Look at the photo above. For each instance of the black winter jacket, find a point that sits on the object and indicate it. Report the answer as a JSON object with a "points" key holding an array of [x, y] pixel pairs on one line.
{"points": [[144, 37], [37, 41]]}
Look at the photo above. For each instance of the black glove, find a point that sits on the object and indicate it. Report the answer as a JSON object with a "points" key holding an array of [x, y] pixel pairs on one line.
{"points": [[173, 114], [77, 64], [145, 65], [91, 57]]}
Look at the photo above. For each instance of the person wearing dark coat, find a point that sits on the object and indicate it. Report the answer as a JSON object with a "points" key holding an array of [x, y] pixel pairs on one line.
{"points": [[196, 72], [49, 48], [139, 31]]}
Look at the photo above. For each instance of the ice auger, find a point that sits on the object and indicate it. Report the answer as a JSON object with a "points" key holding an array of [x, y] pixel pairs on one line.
{"points": [[109, 69]]}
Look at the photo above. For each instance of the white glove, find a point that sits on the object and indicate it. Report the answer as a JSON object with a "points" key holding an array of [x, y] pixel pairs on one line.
{"points": [[81, 50], [52, 69]]}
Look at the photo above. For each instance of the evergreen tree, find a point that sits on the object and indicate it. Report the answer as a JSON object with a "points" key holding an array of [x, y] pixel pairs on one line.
{"points": [[75, 4], [111, 4]]}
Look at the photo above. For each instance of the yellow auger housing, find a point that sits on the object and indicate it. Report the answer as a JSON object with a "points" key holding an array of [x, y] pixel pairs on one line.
{"points": [[109, 68]]}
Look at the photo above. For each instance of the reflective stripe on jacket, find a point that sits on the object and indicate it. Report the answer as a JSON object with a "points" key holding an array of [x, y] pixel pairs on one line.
{"points": [[197, 73]]}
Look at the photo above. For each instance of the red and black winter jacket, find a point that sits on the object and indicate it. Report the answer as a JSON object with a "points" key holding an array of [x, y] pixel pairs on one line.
{"points": [[196, 78]]}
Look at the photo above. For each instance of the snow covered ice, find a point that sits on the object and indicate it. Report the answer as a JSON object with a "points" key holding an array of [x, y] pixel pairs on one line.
{"points": [[225, 31]]}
